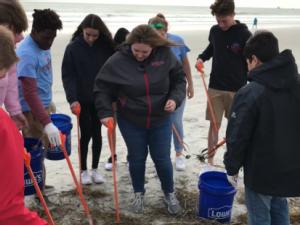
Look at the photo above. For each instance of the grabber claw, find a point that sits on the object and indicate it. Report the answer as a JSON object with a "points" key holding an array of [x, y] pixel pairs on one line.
{"points": [[204, 153]]}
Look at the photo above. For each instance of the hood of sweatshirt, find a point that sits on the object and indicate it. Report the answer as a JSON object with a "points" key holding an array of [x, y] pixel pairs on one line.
{"points": [[279, 73]]}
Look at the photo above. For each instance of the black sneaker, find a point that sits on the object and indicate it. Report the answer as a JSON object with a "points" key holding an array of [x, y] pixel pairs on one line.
{"points": [[108, 165]]}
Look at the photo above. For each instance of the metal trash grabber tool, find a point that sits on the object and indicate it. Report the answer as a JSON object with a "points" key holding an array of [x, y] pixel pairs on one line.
{"points": [[110, 130], [204, 153], [27, 159], [77, 113], [182, 143], [78, 187], [199, 67]]}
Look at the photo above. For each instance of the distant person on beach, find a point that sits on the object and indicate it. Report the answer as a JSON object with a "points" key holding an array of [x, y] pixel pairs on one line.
{"points": [[180, 51], [119, 39], [34, 71], [254, 25], [149, 84], [12, 207], [264, 129], [12, 15], [91, 45], [229, 70]]}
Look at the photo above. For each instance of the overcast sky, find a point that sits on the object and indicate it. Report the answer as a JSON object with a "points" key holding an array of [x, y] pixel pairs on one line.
{"points": [[239, 3]]}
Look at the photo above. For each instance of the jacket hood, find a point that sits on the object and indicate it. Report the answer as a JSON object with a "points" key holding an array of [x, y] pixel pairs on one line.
{"points": [[279, 73]]}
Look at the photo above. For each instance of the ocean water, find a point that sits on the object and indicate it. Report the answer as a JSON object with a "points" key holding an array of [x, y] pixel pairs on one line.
{"points": [[179, 17]]}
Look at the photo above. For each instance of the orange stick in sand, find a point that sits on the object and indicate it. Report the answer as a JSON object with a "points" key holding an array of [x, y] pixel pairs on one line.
{"points": [[199, 67], [79, 190], [110, 126], [27, 158], [77, 113]]}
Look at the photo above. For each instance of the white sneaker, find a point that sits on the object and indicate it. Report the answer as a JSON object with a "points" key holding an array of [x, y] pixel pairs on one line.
{"points": [[97, 177], [108, 165], [86, 177], [179, 163]]}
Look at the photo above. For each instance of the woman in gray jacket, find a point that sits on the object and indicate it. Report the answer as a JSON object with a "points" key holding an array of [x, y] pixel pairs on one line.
{"points": [[148, 83]]}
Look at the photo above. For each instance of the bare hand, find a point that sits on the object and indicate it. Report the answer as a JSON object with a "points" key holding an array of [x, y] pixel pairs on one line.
{"points": [[105, 120], [75, 108], [170, 105], [199, 61], [20, 121], [190, 91]]}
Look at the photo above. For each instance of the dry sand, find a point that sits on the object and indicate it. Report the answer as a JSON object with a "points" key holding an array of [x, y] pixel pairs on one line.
{"points": [[100, 197]]}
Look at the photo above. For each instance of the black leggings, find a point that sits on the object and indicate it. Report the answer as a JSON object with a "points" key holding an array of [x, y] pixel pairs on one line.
{"points": [[90, 127]]}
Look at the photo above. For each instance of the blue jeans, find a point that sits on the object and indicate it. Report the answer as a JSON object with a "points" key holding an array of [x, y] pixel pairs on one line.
{"points": [[266, 209], [176, 118], [158, 141]]}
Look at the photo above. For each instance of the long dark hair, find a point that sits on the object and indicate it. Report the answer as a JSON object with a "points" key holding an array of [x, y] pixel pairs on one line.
{"points": [[95, 22]]}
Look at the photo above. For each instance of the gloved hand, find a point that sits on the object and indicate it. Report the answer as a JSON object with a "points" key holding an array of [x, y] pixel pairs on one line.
{"points": [[53, 134], [233, 180]]}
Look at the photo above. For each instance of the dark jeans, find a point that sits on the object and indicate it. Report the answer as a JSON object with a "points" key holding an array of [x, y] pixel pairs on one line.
{"points": [[90, 127], [155, 140]]}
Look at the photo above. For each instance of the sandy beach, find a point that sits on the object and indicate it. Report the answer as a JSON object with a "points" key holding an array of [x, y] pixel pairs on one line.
{"points": [[100, 197]]}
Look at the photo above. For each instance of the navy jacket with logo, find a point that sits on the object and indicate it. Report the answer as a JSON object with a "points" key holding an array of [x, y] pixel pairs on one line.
{"points": [[229, 69], [142, 88], [264, 129]]}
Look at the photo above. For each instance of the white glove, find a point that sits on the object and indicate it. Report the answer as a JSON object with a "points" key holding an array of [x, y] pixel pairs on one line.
{"points": [[53, 134], [233, 180]]}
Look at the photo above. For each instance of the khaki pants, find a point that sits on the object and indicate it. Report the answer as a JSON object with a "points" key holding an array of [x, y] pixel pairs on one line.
{"points": [[221, 103]]}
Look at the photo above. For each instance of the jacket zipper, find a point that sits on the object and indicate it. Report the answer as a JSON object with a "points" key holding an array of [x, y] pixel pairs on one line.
{"points": [[148, 100]]}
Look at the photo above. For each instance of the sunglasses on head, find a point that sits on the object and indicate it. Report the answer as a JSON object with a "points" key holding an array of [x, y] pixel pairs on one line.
{"points": [[157, 26]]}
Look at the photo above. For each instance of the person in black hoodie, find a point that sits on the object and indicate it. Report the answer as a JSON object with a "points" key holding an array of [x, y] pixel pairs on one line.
{"points": [[264, 129], [91, 45], [149, 84], [229, 70]]}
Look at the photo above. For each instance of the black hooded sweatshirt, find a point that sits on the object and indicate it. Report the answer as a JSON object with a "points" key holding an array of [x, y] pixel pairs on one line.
{"points": [[229, 69], [264, 129], [80, 65], [142, 88]]}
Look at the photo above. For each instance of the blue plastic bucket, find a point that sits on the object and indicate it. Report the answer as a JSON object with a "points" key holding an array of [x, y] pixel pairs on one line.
{"points": [[64, 124], [34, 147], [216, 196]]}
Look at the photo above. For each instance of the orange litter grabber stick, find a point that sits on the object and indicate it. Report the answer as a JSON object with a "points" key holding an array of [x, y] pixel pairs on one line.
{"points": [[182, 143], [204, 153], [27, 158], [77, 113], [199, 67], [79, 190], [110, 126]]}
